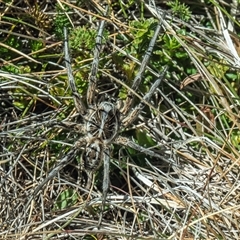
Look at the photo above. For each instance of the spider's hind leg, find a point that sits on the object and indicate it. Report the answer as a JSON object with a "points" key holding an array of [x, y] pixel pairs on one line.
{"points": [[124, 141], [105, 186]]}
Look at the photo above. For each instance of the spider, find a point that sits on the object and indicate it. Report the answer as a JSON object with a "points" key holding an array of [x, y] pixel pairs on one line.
{"points": [[103, 121]]}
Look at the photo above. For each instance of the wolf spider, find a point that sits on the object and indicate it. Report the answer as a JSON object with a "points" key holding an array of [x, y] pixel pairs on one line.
{"points": [[103, 121]]}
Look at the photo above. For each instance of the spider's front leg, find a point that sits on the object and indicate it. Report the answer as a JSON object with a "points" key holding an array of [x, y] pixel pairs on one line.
{"points": [[137, 80], [133, 114], [91, 92], [77, 98]]}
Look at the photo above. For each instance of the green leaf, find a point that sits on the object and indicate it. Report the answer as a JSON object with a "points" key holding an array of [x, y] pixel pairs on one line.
{"points": [[144, 140], [65, 199]]}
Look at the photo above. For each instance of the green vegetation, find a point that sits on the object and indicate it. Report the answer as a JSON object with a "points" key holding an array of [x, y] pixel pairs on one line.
{"points": [[192, 121]]}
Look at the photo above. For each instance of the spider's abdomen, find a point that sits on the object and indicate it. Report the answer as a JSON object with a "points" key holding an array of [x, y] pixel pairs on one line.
{"points": [[92, 156], [103, 123]]}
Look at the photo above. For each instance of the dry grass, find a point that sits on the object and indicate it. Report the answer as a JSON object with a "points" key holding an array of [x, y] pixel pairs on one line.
{"points": [[191, 193]]}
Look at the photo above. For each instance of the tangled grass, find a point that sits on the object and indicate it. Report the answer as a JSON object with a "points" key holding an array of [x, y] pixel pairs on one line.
{"points": [[192, 192]]}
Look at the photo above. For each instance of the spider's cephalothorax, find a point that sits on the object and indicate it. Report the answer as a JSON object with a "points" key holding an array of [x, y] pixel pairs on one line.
{"points": [[102, 127], [103, 123]]}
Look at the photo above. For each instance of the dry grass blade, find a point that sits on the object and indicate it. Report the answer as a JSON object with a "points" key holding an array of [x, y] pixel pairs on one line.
{"points": [[174, 169]]}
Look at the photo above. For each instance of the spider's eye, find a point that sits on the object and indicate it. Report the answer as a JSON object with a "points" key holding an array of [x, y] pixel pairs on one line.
{"points": [[92, 156]]}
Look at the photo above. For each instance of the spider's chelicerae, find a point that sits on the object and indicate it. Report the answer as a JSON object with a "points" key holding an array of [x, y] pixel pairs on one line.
{"points": [[104, 120]]}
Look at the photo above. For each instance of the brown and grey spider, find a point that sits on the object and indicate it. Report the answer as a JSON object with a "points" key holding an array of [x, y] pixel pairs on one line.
{"points": [[104, 120]]}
